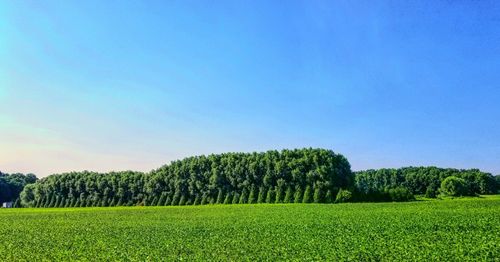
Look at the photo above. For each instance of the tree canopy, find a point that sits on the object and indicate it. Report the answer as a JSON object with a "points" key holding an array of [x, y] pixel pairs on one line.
{"points": [[11, 185], [272, 177], [422, 180]]}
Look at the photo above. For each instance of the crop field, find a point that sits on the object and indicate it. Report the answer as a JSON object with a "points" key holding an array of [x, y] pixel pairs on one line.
{"points": [[445, 230]]}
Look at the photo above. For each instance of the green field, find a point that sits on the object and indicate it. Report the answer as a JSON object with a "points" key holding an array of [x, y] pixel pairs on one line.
{"points": [[445, 230]]}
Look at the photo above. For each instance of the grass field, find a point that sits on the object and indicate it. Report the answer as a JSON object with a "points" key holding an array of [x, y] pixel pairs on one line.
{"points": [[446, 230]]}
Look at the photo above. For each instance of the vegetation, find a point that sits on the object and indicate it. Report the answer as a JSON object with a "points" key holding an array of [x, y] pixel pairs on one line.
{"points": [[288, 176], [376, 185], [12, 185], [453, 186], [203, 180], [464, 229]]}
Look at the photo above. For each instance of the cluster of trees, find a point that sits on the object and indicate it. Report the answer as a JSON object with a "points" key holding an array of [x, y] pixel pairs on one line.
{"points": [[86, 189], [287, 176], [428, 181], [12, 185]]}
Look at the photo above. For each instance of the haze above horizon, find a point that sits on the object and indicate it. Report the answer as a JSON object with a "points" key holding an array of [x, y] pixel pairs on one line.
{"points": [[108, 85]]}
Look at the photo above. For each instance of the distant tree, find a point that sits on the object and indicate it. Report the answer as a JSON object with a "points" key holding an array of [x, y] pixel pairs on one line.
{"points": [[243, 197], [162, 199], [154, 202], [17, 203], [261, 196], [168, 201], [279, 195], [251, 196], [52, 201], [196, 200], [204, 199], [236, 198], [307, 195], [270, 196], [328, 197], [297, 198], [288, 195], [343, 196], [317, 195], [228, 198], [182, 200], [431, 192], [453, 186], [400, 194], [220, 197]]}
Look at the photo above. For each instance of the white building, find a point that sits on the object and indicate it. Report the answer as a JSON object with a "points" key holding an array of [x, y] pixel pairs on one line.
{"points": [[7, 204]]}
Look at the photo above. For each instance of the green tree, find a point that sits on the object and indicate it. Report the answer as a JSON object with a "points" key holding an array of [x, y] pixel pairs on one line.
{"points": [[162, 199], [243, 197], [307, 195], [288, 195], [318, 196], [453, 186], [236, 198], [328, 197], [297, 198], [220, 197], [260, 198], [270, 196], [251, 196], [227, 199], [279, 195], [343, 196]]}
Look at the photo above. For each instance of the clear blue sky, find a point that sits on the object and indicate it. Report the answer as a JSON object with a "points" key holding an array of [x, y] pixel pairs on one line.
{"points": [[113, 85]]}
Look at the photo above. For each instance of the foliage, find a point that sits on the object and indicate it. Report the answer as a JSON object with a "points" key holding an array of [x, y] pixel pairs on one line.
{"points": [[370, 185], [11, 185], [343, 196], [234, 174], [453, 186], [400, 194]]}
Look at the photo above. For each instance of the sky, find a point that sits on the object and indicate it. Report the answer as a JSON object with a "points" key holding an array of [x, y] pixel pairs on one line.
{"points": [[133, 85]]}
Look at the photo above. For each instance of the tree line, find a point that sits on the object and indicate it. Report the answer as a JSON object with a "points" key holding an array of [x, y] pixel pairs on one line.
{"points": [[11, 186], [287, 176], [426, 181]]}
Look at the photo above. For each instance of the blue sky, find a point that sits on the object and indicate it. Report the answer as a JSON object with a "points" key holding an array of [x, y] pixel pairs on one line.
{"points": [[113, 85]]}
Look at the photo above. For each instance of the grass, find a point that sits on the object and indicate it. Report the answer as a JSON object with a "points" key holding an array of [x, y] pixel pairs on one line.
{"points": [[444, 230]]}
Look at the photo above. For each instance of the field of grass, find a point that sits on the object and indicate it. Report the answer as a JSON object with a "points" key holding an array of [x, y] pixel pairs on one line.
{"points": [[446, 230]]}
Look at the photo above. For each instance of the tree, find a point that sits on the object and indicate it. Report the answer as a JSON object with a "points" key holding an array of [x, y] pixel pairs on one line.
{"points": [[168, 201], [453, 186], [279, 195], [27, 196], [343, 196], [288, 195], [317, 195], [236, 198], [328, 197], [204, 199], [251, 196], [182, 200], [220, 197], [154, 202], [196, 201], [227, 199], [270, 196], [297, 198], [307, 195], [243, 197], [260, 198], [162, 199]]}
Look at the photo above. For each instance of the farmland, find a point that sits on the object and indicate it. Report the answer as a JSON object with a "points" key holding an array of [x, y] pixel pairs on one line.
{"points": [[446, 230]]}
